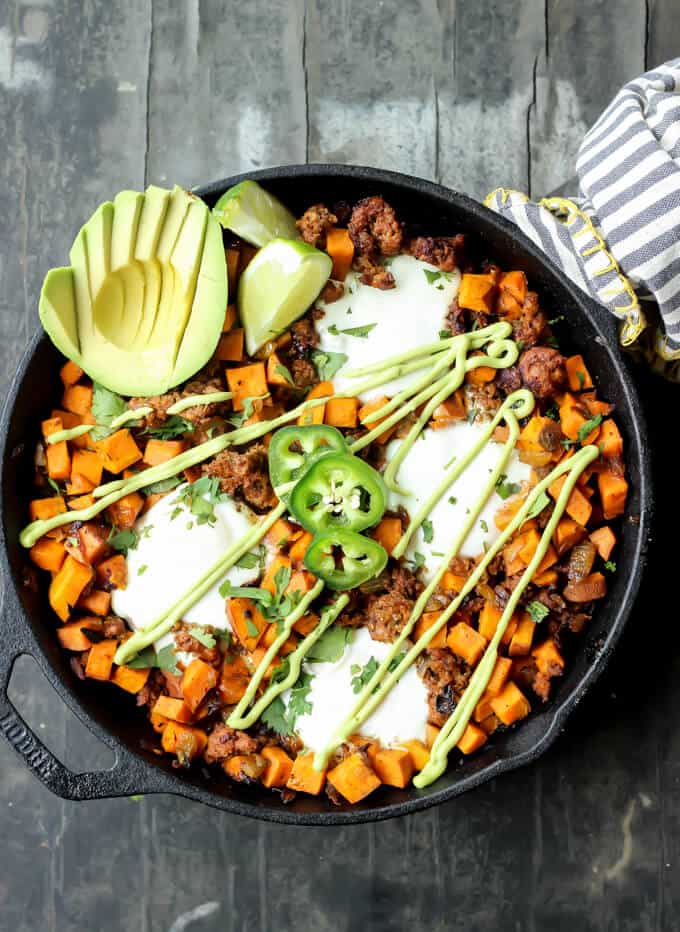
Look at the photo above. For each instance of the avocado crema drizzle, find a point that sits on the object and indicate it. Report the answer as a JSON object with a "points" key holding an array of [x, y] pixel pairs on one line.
{"points": [[445, 364]]}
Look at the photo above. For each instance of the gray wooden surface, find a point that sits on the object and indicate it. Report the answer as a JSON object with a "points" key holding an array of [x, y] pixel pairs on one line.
{"points": [[97, 95]]}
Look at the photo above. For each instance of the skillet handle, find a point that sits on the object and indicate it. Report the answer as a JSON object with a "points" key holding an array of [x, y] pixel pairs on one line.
{"points": [[128, 776]]}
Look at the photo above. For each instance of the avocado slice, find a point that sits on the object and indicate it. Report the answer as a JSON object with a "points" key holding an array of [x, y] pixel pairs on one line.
{"points": [[141, 306]]}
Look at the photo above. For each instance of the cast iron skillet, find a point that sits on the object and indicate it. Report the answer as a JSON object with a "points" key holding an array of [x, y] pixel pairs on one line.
{"points": [[28, 627]]}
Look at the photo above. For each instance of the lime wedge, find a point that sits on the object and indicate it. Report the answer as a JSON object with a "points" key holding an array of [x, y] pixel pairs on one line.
{"points": [[254, 214], [278, 286]]}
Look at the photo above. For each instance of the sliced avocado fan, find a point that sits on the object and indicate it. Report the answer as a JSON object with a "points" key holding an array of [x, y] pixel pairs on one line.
{"points": [[141, 306]]}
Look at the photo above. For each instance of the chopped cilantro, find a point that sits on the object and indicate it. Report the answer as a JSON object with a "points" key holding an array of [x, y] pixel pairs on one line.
{"points": [[504, 488], [239, 417], [166, 659], [445, 334], [428, 531], [123, 540], [299, 703], [175, 426], [484, 526], [610, 565], [142, 570], [251, 628], [54, 485], [588, 427], [249, 561], [106, 406], [362, 331], [472, 415], [284, 372], [331, 645], [203, 637], [145, 658], [363, 675], [556, 320], [200, 498], [538, 611], [274, 717], [541, 502], [453, 500], [327, 364]]}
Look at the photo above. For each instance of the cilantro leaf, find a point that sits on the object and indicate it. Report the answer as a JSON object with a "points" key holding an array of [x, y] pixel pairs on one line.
{"points": [[175, 426], [122, 541], [227, 591], [249, 561], [200, 498], [166, 659], [471, 415], [145, 658], [274, 717], [54, 485], [327, 364], [361, 332], [331, 645], [284, 372], [505, 489], [588, 427], [610, 565], [299, 703], [362, 676], [106, 406], [203, 637], [541, 502], [538, 611], [428, 531]]}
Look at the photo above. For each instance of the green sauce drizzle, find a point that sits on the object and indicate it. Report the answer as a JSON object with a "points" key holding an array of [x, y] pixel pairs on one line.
{"points": [[193, 401]]}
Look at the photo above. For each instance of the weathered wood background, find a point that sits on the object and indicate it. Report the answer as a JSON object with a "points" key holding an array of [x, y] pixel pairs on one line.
{"points": [[97, 95]]}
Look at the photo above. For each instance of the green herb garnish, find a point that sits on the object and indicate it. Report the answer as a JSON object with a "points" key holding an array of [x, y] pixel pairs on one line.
{"points": [[122, 541], [361, 332], [106, 406], [428, 531], [505, 489], [538, 611], [327, 364], [175, 426]]}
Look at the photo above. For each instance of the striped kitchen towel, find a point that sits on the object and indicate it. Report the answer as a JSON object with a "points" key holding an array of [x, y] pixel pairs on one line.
{"points": [[620, 239]]}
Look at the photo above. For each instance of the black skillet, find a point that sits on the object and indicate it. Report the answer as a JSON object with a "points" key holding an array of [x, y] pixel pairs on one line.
{"points": [[28, 626]]}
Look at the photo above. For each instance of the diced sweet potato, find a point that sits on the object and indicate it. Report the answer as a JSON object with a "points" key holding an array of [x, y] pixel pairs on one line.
{"points": [[48, 554], [303, 778], [100, 660], [279, 767], [73, 637], [510, 705], [67, 586], [198, 679], [175, 709], [131, 680], [354, 779], [467, 643], [393, 766], [472, 739]]}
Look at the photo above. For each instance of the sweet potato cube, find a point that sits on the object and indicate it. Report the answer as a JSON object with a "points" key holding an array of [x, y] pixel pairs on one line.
{"points": [[247, 622], [131, 680], [279, 767], [160, 451], [112, 573], [472, 739], [365, 412], [92, 542], [234, 679], [299, 548], [342, 412], [424, 623], [548, 657], [67, 586], [100, 660], [467, 643], [73, 636], [77, 399], [520, 645], [476, 292], [303, 778], [393, 766], [87, 464], [70, 373], [230, 346], [578, 506], [610, 439], [126, 510], [354, 779], [118, 451], [175, 709], [388, 533], [197, 681], [420, 755], [58, 461], [577, 374], [499, 676], [316, 415], [40, 509], [510, 705], [613, 492], [247, 382], [567, 533], [340, 248], [48, 554], [186, 742], [96, 601], [604, 540]]}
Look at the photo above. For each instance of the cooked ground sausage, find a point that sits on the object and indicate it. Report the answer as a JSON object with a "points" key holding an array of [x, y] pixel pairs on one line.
{"points": [[443, 251], [304, 373], [190, 645], [543, 371], [224, 742], [532, 324], [315, 223], [509, 380], [303, 339], [332, 291], [245, 475], [373, 274], [198, 415], [445, 677], [374, 228]]}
